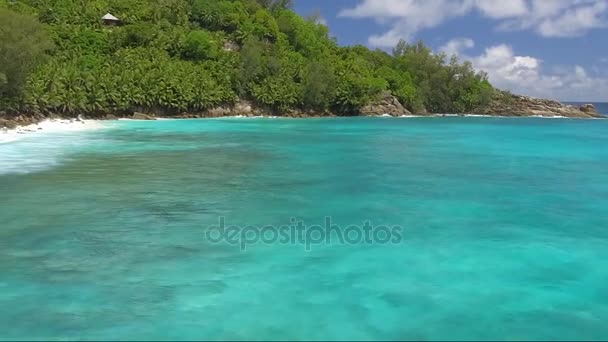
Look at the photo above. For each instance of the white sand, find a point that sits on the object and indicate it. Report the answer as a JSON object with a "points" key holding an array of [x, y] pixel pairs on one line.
{"points": [[64, 125]]}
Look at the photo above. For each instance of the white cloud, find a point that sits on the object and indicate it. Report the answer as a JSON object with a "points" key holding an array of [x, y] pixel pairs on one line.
{"points": [[406, 16], [548, 18], [502, 9], [526, 75], [509, 71], [559, 18], [575, 22], [457, 46]]}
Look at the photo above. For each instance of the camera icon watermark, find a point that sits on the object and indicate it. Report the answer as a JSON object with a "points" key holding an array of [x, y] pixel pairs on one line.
{"points": [[299, 233]]}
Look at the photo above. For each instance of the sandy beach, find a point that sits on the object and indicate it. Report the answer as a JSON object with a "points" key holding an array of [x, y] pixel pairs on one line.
{"points": [[46, 126]]}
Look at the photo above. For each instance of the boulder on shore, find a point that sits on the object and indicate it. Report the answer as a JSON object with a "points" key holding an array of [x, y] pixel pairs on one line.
{"points": [[589, 109], [242, 107], [142, 116], [27, 119], [506, 104], [217, 112], [388, 104]]}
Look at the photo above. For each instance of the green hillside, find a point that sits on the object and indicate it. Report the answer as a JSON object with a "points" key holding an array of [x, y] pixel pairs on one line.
{"points": [[174, 56]]}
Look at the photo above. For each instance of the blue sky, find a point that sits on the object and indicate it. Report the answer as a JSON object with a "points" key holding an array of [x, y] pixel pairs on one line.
{"points": [[547, 48]]}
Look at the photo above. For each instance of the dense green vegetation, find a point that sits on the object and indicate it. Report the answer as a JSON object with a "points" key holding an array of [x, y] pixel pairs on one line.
{"points": [[189, 55], [23, 43]]}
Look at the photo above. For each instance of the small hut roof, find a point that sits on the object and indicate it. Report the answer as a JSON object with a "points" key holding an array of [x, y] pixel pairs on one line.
{"points": [[108, 16]]}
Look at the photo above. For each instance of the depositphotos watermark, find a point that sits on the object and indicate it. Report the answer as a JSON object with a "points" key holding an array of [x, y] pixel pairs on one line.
{"points": [[299, 233]]}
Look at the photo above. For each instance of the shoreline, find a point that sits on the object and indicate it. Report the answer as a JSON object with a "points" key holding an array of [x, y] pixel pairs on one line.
{"points": [[389, 106], [8, 135], [76, 124], [388, 116]]}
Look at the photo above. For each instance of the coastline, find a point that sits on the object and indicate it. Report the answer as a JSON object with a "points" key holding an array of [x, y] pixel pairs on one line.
{"points": [[502, 105], [47, 126], [71, 124], [25, 124]]}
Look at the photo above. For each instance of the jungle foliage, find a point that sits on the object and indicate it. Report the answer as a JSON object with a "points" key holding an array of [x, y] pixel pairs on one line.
{"points": [[190, 55]]}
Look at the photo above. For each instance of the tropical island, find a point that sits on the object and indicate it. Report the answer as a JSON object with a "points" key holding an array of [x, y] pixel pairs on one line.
{"points": [[105, 59]]}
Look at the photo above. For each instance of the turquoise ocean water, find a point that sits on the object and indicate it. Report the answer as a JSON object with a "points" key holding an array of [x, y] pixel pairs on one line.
{"points": [[103, 233]]}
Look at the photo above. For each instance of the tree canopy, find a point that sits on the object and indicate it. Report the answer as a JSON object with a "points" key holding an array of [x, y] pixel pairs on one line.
{"points": [[23, 43], [190, 55]]}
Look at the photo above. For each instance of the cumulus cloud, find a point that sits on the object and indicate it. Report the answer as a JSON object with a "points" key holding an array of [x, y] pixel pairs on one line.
{"points": [[561, 18], [548, 18], [406, 16], [575, 22], [502, 9], [457, 46], [526, 75]]}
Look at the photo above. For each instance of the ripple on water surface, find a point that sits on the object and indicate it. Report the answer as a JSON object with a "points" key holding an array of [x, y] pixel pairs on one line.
{"points": [[103, 231]]}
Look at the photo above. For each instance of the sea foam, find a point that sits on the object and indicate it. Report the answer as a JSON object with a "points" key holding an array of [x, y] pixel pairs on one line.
{"points": [[40, 146]]}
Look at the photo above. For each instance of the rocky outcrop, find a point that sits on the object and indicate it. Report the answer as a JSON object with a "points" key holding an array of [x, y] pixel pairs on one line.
{"points": [[388, 104], [502, 104], [240, 108], [142, 116], [589, 109], [250, 109], [244, 108], [13, 121], [302, 113], [10, 124], [505, 104], [218, 112], [24, 119]]}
